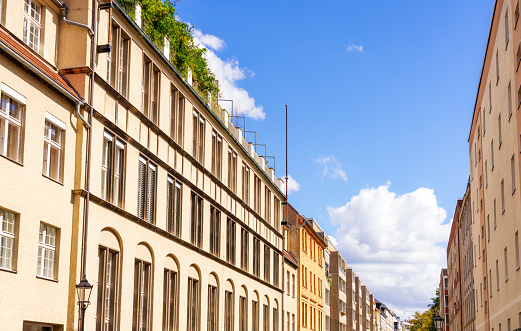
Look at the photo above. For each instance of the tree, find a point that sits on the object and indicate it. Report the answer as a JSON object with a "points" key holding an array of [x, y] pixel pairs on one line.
{"points": [[425, 321]]}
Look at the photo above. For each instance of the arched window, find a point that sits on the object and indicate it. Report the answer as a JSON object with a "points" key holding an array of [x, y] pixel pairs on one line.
{"points": [[266, 313], [142, 312], [213, 303], [243, 309], [194, 300], [229, 306], [170, 294], [275, 315], [255, 312]]}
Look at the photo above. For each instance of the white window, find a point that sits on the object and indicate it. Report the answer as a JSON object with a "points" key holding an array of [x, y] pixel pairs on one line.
{"points": [[112, 169], [146, 190], [46, 251], [32, 26], [52, 148], [11, 118], [7, 222]]}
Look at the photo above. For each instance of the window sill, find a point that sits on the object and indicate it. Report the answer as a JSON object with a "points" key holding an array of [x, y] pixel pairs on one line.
{"points": [[54, 180], [49, 279], [9, 159], [9, 270]]}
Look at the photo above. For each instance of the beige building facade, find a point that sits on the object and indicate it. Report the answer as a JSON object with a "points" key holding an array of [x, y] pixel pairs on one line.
{"points": [[183, 216]]}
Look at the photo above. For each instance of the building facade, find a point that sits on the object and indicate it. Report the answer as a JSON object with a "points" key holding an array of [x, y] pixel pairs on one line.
{"points": [[444, 297], [454, 273], [469, 293], [183, 216]]}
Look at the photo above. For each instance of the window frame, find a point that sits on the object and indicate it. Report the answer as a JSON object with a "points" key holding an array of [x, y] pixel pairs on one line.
{"points": [[196, 219], [148, 212], [11, 97], [231, 236], [8, 235], [109, 167], [118, 60], [104, 288], [143, 290], [177, 111], [215, 231], [29, 21], [198, 132], [49, 143], [43, 247], [170, 300], [217, 154], [174, 205]]}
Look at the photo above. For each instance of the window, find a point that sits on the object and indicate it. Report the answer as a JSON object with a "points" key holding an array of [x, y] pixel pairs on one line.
{"points": [[243, 314], [173, 205], [275, 319], [196, 220], [232, 170], [495, 218], [11, 119], [108, 275], [244, 249], [509, 95], [497, 278], [213, 308], [198, 123], [326, 301], [7, 239], [292, 322], [499, 131], [497, 67], [266, 263], [112, 169], [292, 286], [516, 15], [257, 194], [230, 241], [142, 296], [228, 311], [47, 255], [276, 213], [52, 148], [490, 97], [215, 231], [256, 256], [146, 203], [505, 252], [502, 196], [513, 172], [117, 60], [32, 25], [267, 204], [245, 183], [193, 305], [177, 110], [266, 317], [486, 175], [492, 155], [488, 227], [255, 315], [170, 297], [507, 30], [150, 91], [287, 282], [217, 154], [276, 268], [516, 241]]}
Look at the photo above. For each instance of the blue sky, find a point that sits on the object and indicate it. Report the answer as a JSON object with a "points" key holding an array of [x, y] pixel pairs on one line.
{"points": [[380, 97]]}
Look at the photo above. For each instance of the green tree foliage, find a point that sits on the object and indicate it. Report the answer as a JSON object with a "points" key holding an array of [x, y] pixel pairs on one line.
{"points": [[425, 321], [158, 20]]}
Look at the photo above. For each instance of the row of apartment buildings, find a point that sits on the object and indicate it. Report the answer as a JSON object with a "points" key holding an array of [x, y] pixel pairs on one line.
{"points": [[145, 191], [481, 286]]}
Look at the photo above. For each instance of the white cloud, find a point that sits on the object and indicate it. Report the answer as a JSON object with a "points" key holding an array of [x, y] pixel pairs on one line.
{"points": [[395, 243], [293, 185], [332, 167], [228, 73], [353, 48]]}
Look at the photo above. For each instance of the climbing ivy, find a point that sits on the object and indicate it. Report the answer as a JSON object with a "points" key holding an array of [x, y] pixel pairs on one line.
{"points": [[159, 20]]}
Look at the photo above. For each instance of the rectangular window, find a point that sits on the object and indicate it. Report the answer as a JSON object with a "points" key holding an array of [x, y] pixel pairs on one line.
{"points": [[499, 131], [245, 183], [287, 282], [47, 255], [142, 296], [146, 203], [177, 110], [292, 322], [505, 253], [170, 297], [507, 30], [516, 241], [497, 67], [509, 100], [502, 196], [266, 317], [217, 154], [492, 155], [31, 24], [118, 60], [108, 275], [516, 15], [150, 89], [213, 308], [486, 175], [232, 170], [243, 314], [193, 305], [276, 268], [257, 194], [513, 173], [267, 204], [489, 97], [173, 205], [53, 140], [275, 319], [488, 227], [276, 213], [497, 276], [292, 286], [244, 249], [228, 311], [112, 169], [215, 231], [11, 128], [267, 263], [254, 315], [198, 127], [7, 239], [495, 218], [230, 241], [196, 220], [256, 256]]}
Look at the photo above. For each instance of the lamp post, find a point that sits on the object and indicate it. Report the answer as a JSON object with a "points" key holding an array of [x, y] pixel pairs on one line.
{"points": [[438, 322], [84, 289]]}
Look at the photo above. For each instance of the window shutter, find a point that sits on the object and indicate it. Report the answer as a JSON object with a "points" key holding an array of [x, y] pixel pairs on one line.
{"points": [[151, 194], [141, 188], [177, 208], [170, 204]]}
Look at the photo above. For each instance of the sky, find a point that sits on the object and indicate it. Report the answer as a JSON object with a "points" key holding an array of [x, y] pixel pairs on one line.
{"points": [[380, 96]]}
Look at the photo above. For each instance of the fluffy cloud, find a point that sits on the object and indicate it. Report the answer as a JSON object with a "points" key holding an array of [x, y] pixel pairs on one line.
{"points": [[293, 185], [355, 48], [228, 73], [395, 243], [332, 167]]}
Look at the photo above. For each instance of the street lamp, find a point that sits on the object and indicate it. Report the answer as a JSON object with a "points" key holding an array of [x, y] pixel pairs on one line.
{"points": [[84, 290], [438, 322]]}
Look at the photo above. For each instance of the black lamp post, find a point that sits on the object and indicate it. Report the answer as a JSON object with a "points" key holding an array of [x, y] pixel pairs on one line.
{"points": [[84, 289], [438, 322]]}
